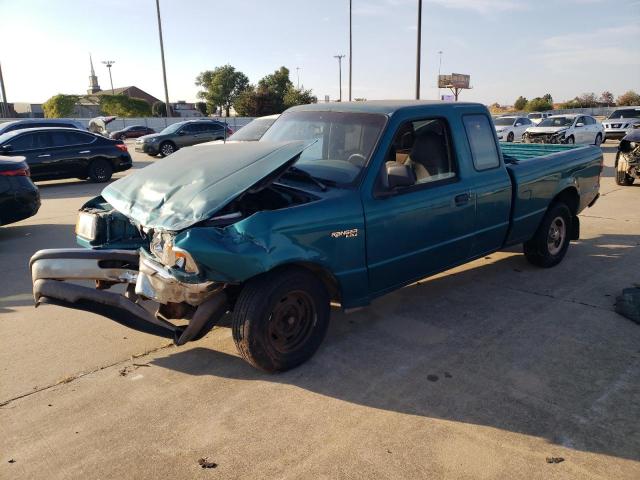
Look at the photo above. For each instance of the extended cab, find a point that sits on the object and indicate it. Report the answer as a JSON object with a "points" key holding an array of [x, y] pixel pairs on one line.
{"points": [[337, 203]]}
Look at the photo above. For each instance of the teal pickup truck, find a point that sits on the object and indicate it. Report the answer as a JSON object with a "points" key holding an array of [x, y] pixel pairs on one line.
{"points": [[337, 204]]}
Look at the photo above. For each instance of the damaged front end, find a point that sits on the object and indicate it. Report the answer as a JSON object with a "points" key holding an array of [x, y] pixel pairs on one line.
{"points": [[628, 158], [545, 137], [146, 285]]}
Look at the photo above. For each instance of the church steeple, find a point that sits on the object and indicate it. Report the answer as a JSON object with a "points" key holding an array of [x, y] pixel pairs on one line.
{"points": [[93, 79]]}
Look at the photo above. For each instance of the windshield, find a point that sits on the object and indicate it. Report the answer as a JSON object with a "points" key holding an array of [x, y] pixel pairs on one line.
{"points": [[556, 122], [535, 115], [253, 131], [173, 128], [504, 122], [344, 141], [626, 113]]}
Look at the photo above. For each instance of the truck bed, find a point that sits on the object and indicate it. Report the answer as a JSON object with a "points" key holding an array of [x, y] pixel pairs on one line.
{"points": [[539, 173]]}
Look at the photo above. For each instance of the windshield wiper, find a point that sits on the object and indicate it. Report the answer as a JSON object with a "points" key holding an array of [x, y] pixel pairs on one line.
{"points": [[303, 173]]}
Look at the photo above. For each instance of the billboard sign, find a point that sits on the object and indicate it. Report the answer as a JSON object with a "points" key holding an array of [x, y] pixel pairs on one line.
{"points": [[455, 80]]}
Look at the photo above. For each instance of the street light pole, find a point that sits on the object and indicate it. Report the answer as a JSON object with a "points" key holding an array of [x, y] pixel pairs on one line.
{"points": [[164, 70], [439, 69], [419, 46], [4, 111], [298, 75], [339, 57], [350, 47], [109, 63]]}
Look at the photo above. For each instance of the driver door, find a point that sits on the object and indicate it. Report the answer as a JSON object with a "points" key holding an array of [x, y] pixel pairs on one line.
{"points": [[187, 135]]}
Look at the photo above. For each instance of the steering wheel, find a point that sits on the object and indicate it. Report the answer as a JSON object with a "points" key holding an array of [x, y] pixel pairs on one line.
{"points": [[357, 159]]}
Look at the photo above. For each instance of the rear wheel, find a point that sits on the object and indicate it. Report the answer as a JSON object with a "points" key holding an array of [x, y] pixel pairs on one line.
{"points": [[622, 178], [598, 140], [510, 137], [549, 245], [100, 170], [280, 319], [167, 148]]}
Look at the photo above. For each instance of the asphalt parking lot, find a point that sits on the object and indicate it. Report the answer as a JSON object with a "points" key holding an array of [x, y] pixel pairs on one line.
{"points": [[484, 371]]}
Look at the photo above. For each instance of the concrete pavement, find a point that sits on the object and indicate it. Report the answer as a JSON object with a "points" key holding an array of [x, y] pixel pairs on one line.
{"points": [[481, 372]]}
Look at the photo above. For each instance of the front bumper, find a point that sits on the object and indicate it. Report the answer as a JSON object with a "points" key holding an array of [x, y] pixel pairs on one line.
{"points": [[149, 148], [202, 304], [616, 134]]}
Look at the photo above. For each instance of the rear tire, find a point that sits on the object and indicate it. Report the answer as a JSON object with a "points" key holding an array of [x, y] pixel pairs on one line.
{"points": [[598, 140], [549, 244], [167, 148], [622, 178], [99, 171], [280, 319]]}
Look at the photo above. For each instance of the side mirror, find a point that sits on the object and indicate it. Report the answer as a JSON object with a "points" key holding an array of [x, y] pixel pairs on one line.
{"points": [[399, 175], [580, 124], [5, 148]]}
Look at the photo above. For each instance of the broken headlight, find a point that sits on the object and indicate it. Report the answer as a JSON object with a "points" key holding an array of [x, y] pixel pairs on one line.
{"points": [[87, 225], [163, 249]]}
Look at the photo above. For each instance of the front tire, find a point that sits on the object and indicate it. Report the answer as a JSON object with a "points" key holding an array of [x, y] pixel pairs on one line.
{"points": [[280, 319], [167, 148], [549, 245], [622, 178], [510, 137], [99, 171], [571, 140]]}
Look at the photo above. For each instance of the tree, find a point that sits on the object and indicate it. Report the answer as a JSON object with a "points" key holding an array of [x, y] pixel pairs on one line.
{"points": [[520, 103], [587, 100], [538, 104], [60, 106], [202, 108], [606, 97], [159, 109], [277, 84], [298, 96], [628, 99], [548, 98], [221, 86], [255, 102], [124, 106], [359, 99]]}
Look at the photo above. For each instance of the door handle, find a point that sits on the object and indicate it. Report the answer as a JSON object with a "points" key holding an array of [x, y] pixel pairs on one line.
{"points": [[44, 155], [85, 151], [462, 199]]}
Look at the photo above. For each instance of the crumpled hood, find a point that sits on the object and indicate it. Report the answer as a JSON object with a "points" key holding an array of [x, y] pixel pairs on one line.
{"points": [[546, 129], [192, 184]]}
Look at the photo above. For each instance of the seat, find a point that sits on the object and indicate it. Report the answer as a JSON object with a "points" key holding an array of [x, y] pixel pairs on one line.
{"points": [[428, 156]]}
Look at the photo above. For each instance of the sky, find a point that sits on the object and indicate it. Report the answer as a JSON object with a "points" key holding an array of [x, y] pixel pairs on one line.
{"points": [[509, 47]]}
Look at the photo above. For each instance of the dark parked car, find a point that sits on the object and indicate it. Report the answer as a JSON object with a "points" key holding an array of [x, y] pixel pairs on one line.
{"points": [[133, 131], [19, 197], [182, 134], [53, 153], [39, 123]]}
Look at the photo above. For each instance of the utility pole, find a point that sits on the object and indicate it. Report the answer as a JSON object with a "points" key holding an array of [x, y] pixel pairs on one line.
{"points": [[439, 69], [164, 70], [350, 47], [339, 57], [109, 63], [419, 45], [298, 74], [4, 110]]}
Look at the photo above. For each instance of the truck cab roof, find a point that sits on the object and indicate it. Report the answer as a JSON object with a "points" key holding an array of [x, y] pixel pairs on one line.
{"points": [[386, 107]]}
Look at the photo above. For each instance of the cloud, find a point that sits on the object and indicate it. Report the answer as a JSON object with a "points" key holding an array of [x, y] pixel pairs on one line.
{"points": [[608, 46]]}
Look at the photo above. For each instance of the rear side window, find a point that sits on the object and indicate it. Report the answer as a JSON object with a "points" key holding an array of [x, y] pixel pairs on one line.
{"points": [[483, 146]]}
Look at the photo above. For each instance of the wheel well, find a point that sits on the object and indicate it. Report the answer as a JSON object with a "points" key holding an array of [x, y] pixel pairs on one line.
{"points": [[328, 279], [110, 162], [168, 141], [569, 196]]}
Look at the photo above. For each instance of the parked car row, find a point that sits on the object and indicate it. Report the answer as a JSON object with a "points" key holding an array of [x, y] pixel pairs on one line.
{"points": [[570, 129], [182, 134]]}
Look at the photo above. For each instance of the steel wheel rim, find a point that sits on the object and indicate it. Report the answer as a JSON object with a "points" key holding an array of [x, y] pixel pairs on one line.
{"points": [[556, 235], [291, 322], [167, 149]]}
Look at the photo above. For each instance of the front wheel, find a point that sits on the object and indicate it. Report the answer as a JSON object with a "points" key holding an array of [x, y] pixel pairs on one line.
{"points": [[510, 137], [622, 178], [549, 244], [280, 319], [571, 140], [167, 148]]}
